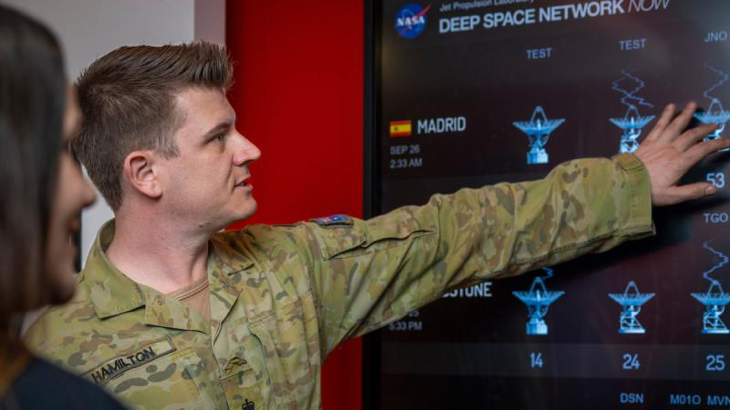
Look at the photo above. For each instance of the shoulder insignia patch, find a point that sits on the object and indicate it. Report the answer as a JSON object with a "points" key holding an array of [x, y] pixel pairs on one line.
{"points": [[334, 220], [118, 365]]}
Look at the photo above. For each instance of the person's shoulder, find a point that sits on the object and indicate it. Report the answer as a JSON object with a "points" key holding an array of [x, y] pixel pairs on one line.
{"points": [[62, 322], [268, 246], [331, 225], [79, 307], [308, 239], [256, 232], [260, 237], [60, 390]]}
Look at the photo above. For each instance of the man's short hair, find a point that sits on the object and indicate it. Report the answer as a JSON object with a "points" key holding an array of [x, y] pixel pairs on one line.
{"points": [[128, 101]]}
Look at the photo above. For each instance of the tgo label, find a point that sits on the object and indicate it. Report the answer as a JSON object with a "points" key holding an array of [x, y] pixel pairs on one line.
{"points": [[716, 217]]}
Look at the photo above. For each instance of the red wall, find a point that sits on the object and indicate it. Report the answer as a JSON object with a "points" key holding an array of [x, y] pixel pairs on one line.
{"points": [[298, 94]]}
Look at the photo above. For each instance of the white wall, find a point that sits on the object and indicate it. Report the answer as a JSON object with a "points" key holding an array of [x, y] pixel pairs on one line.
{"points": [[89, 29]]}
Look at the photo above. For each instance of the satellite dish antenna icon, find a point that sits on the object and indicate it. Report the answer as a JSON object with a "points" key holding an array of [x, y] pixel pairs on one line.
{"points": [[715, 300], [717, 115], [538, 299], [538, 130], [631, 301], [632, 123]]}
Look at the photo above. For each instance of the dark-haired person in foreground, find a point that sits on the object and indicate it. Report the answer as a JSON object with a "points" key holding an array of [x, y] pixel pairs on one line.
{"points": [[173, 313], [43, 192]]}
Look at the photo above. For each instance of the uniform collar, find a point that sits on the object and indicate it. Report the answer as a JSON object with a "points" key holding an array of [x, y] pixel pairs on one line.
{"points": [[113, 293], [229, 258]]}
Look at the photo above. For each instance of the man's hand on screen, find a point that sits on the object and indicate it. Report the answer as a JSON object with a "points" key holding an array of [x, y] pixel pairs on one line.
{"points": [[668, 153]]}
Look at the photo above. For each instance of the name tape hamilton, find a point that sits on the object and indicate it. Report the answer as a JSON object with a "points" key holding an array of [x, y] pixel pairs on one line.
{"points": [[119, 365]]}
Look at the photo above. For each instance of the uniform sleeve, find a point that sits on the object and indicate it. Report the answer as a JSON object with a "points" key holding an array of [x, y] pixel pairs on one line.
{"points": [[373, 272]]}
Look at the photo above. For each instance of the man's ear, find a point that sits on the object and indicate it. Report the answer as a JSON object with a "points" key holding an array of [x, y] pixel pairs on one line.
{"points": [[139, 171]]}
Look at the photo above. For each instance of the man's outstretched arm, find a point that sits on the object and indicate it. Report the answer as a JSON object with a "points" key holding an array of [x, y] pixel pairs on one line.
{"points": [[369, 273]]}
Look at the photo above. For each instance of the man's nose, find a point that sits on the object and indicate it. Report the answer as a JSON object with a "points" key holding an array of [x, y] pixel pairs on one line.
{"points": [[246, 151]]}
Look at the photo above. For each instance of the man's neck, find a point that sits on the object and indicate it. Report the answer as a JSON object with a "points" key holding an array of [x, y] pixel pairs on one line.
{"points": [[161, 256]]}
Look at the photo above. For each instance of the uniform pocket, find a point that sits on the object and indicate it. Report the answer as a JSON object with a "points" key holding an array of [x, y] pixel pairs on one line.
{"points": [[272, 362], [291, 360], [241, 386], [244, 374]]}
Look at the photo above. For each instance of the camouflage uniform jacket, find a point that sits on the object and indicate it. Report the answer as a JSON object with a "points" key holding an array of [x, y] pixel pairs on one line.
{"points": [[282, 297]]}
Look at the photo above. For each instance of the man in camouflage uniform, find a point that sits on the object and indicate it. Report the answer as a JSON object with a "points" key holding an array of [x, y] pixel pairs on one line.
{"points": [[278, 299]]}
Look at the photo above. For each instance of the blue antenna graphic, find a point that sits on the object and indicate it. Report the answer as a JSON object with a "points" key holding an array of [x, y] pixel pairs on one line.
{"points": [[538, 299], [715, 299], [631, 301], [632, 122], [715, 113], [538, 130]]}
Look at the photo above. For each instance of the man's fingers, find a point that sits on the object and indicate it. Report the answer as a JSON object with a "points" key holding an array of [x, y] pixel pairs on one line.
{"points": [[703, 149], [676, 127], [690, 137], [662, 123], [687, 192]]}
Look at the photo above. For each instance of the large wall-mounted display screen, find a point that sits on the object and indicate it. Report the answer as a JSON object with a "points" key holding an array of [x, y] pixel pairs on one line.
{"points": [[476, 92]]}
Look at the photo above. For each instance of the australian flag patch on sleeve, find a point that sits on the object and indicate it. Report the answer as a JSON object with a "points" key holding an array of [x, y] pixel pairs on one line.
{"points": [[334, 220]]}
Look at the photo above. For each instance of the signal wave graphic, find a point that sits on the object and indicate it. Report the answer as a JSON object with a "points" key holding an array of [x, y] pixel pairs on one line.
{"points": [[629, 96], [715, 113], [632, 122], [723, 261], [724, 77], [715, 299]]}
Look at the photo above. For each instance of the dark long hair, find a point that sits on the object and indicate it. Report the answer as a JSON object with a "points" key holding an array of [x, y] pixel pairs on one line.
{"points": [[32, 106]]}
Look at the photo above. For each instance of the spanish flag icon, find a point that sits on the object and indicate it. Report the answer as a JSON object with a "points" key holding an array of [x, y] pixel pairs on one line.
{"points": [[400, 128]]}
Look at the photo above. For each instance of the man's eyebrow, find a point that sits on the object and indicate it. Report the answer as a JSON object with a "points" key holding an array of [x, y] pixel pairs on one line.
{"points": [[222, 126]]}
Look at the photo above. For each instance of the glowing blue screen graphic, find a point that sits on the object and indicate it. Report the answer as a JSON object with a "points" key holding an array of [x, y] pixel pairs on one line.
{"points": [[715, 299], [538, 299], [632, 122], [538, 130], [715, 113], [534, 84]]}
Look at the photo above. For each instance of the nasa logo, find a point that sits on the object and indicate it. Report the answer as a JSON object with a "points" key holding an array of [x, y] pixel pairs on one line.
{"points": [[410, 21]]}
